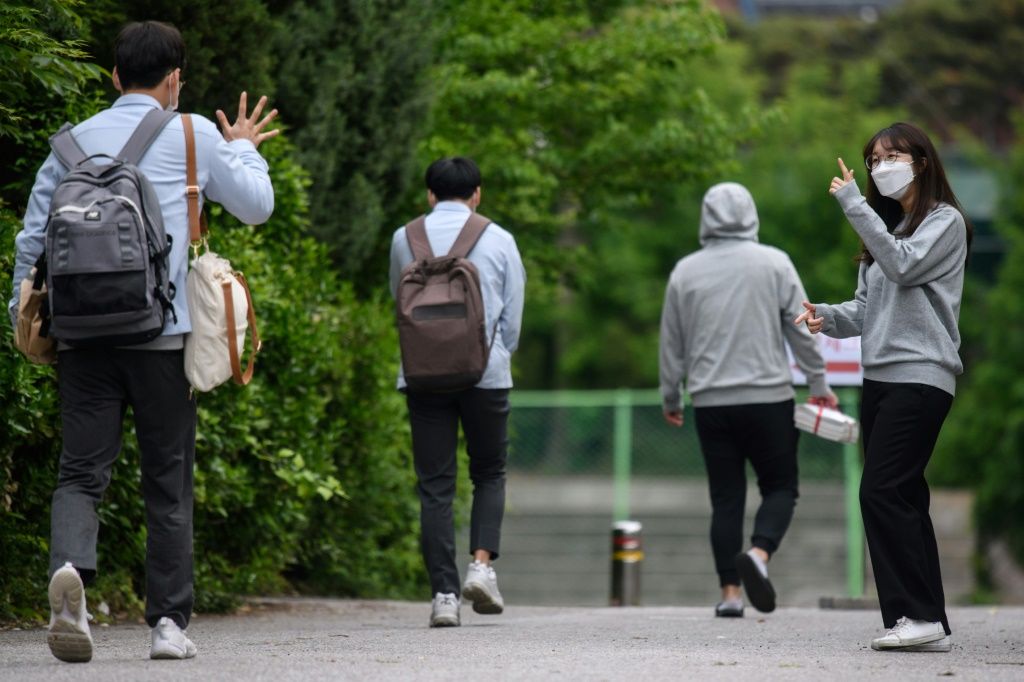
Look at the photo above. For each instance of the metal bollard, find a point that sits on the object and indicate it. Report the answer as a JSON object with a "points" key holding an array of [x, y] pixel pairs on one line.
{"points": [[627, 556]]}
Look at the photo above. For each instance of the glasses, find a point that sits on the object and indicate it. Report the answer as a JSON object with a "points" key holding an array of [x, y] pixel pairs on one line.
{"points": [[873, 161]]}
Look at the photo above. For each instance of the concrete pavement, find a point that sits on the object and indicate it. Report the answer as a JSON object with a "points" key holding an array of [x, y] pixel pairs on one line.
{"points": [[285, 640]]}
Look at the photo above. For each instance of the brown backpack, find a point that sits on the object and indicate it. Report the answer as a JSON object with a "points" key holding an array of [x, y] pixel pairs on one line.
{"points": [[441, 321]]}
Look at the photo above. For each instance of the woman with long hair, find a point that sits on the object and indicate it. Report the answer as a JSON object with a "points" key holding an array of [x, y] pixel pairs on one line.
{"points": [[906, 307]]}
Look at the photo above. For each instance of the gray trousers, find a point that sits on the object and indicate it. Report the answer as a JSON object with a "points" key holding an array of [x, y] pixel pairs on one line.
{"points": [[435, 418], [96, 388]]}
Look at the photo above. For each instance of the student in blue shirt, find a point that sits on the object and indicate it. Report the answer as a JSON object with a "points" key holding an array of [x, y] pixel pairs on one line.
{"points": [[453, 193], [98, 384]]}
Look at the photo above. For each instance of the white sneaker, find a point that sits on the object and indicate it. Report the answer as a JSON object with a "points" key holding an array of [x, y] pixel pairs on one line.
{"points": [[481, 588], [169, 641], [68, 636], [909, 632], [445, 611]]}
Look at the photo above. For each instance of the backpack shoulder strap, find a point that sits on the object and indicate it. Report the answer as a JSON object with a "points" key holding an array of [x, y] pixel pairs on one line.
{"points": [[65, 147], [470, 235], [416, 233], [147, 130]]}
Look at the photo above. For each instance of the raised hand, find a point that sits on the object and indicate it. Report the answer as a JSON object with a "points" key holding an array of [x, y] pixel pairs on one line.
{"points": [[245, 127], [846, 179], [808, 316]]}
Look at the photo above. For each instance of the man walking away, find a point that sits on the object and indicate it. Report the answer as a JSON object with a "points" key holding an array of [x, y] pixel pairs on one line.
{"points": [[99, 381], [456, 368], [727, 312]]}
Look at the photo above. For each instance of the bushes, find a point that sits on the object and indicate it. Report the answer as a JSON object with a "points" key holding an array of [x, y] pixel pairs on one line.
{"points": [[302, 478]]}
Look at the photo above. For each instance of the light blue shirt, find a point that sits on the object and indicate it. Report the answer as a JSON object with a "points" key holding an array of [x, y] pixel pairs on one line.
{"points": [[502, 282], [231, 173]]}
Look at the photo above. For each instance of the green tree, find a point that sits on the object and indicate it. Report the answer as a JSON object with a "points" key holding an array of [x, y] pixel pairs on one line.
{"points": [[44, 81], [983, 441], [950, 62], [353, 85], [577, 113], [35, 61], [226, 46]]}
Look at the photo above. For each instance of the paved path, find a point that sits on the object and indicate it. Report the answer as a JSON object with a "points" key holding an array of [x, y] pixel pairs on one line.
{"points": [[284, 640]]}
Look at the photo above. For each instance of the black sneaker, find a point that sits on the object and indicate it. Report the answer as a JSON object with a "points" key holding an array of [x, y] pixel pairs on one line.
{"points": [[758, 588], [729, 609]]}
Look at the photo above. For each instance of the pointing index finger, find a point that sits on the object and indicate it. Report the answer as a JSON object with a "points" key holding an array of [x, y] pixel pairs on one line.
{"points": [[846, 171]]}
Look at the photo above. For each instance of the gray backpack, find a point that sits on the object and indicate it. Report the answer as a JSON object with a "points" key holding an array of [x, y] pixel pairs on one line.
{"points": [[441, 322], [106, 252]]}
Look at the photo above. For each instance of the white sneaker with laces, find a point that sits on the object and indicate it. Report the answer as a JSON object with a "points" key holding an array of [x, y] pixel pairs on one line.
{"points": [[481, 588], [170, 642], [909, 632], [68, 636], [445, 611]]}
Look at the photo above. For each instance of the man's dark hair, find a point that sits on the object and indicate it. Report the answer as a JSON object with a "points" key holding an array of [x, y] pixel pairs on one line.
{"points": [[146, 51], [454, 177]]}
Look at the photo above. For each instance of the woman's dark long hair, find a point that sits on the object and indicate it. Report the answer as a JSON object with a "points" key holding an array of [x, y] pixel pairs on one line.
{"points": [[930, 179]]}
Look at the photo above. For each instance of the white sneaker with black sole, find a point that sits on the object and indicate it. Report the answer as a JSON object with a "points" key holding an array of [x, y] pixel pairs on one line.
{"points": [[68, 635], [481, 588], [170, 641], [909, 632], [444, 613]]}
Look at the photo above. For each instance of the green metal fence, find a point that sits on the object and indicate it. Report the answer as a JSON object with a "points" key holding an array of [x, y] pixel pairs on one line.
{"points": [[621, 433]]}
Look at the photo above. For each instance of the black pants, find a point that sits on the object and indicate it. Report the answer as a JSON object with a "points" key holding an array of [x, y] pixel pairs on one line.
{"points": [[96, 387], [901, 423], [730, 436], [435, 421]]}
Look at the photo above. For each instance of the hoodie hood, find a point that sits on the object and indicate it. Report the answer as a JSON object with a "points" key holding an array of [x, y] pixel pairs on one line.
{"points": [[728, 212]]}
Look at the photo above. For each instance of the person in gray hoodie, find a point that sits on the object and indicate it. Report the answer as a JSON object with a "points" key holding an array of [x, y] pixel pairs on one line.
{"points": [[726, 316], [905, 308]]}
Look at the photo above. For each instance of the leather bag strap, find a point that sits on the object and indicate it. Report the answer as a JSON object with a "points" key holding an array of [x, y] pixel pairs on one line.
{"points": [[241, 378], [197, 228], [419, 244], [469, 236]]}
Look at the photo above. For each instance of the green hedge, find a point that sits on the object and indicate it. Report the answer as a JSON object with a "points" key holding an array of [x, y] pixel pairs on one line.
{"points": [[303, 478]]}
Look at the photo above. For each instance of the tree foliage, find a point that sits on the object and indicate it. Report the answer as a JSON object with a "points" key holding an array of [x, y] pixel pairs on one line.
{"points": [[353, 85], [984, 441], [952, 62], [36, 62], [573, 129]]}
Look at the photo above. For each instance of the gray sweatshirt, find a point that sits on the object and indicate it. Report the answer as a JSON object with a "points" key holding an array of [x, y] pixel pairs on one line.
{"points": [[907, 302], [728, 308]]}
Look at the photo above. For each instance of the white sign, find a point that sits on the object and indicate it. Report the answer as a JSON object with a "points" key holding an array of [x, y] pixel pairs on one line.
{"points": [[842, 362]]}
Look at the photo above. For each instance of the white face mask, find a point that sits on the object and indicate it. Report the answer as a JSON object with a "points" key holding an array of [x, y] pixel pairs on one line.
{"points": [[893, 179]]}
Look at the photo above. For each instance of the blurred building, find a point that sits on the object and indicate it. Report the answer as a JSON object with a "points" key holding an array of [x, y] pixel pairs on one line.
{"points": [[869, 10]]}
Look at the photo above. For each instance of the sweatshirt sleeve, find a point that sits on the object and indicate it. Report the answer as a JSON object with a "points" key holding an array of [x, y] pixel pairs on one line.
{"points": [[672, 355], [805, 347], [844, 320], [938, 244]]}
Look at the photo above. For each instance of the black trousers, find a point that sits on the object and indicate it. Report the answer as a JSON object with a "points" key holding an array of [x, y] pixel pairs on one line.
{"points": [[96, 387], [435, 418], [730, 436], [901, 423]]}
